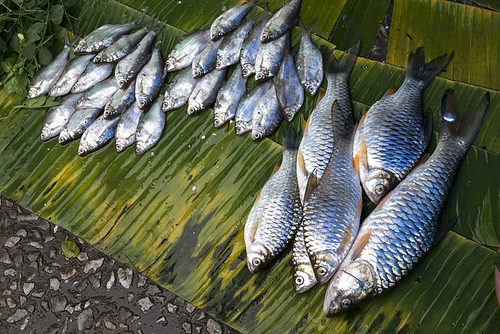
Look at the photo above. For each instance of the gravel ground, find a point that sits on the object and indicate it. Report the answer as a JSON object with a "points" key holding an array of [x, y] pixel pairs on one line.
{"points": [[42, 291]]}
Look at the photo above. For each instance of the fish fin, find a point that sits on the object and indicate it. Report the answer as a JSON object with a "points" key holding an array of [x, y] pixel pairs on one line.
{"points": [[362, 155], [303, 124], [277, 167], [253, 227], [355, 163], [423, 160], [344, 243], [419, 70], [428, 120], [360, 245], [265, 13], [390, 91], [466, 127], [362, 119], [301, 164], [305, 128], [312, 183], [445, 225], [141, 17], [321, 95], [258, 195], [311, 26], [343, 64], [291, 139]]}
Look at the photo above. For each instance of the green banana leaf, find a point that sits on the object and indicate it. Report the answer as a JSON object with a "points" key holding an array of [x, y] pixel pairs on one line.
{"points": [[177, 213]]}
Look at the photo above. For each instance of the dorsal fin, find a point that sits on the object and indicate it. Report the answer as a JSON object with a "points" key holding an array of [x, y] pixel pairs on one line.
{"points": [[312, 183], [390, 91], [253, 228], [362, 156], [344, 243], [428, 127], [321, 95], [277, 167], [258, 196], [305, 128], [445, 225], [360, 244]]}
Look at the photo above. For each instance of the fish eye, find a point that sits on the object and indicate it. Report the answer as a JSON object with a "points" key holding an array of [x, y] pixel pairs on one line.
{"points": [[321, 271], [299, 280], [310, 89], [260, 76], [214, 34], [379, 188], [346, 303], [81, 151], [122, 83], [256, 262], [79, 102]]}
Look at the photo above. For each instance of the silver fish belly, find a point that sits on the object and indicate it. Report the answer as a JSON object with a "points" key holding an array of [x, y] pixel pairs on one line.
{"points": [[244, 112], [281, 21], [150, 128], [98, 96], [121, 47], [229, 97], [127, 127], [73, 71], [57, 117], [97, 135], [94, 73], [288, 89], [230, 48], [268, 60], [120, 101], [230, 20], [77, 124], [205, 91], [309, 62], [103, 37], [266, 117], [206, 60], [150, 79], [251, 46], [179, 90], [188, 47]]}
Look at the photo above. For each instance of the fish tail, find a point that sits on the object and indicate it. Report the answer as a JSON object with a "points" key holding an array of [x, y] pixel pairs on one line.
{"points": [[141, 17], [303, 28], [343, 64], [419, 70], [463, 128], [291, 138], [265, 13]]}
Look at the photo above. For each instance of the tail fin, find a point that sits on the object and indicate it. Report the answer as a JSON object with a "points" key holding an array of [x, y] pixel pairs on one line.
{"points": [[422, 71], [466, 127], [138, 20], [343, 64], [303, 29], [291, 139]]}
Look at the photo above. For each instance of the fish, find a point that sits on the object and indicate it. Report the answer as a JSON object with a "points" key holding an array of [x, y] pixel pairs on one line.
{"points": [[303, 272], [77, 124], [251, 46], [97, 135], [150, 79], [230, 20], [281, 22], [206, 60], [120, 101], [122, 47], [288, 89], [94, 73], [205, 91], [73, 71], [104, 36], [309, 62], [393, 134], [244, 112], [229, 50], [150, 128], [266, 117], [229, 97], [276, 213], [188, 47], [316, 146], [98, 96], [406, 223], [57, 117], [179, 90], [268, 60], [127, 127], [48, 75]]}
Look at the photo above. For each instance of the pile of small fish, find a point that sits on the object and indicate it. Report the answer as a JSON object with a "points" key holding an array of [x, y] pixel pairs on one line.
{"points": [[314, 196], [97, 107]]}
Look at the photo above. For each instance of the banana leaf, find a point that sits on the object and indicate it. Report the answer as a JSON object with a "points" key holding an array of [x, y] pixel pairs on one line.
{"points": [[177, 213]]}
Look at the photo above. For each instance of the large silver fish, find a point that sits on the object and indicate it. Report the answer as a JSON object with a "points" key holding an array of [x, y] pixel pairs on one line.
{"points": [[127, 127], [230, 20], [393, 134], [188, 47], [229, 97], [303, 272], [288, 89], [251, 46], [121, 47], [229, 50], [309, 62], [57, 117], [150, 128], [150, 79], [179, 90], [206, 60], [99, 95], [316, 146], [97, 135], [205, 91], [276, 213], [281, 21], [73, 71], [268, 60], [94, 74], [398, 233], [120, 101], [77, 124], [244, 112], [266, 117]]}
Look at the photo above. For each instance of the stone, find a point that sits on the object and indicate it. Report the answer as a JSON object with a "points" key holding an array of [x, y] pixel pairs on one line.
{"points": [[161, 319], [44, 225], [124, 313], [49, 238], [190, 308], [22, 300], [30, 308], [11, 303], [35, 244], [31, 217], [213, 327], [142, 281], [145, 304], [93, 264], [198, 329], [10, 272], [108, 324], [27, 287], [82, 256], [7, 292], [130, 297], [18, 259], [54, 284], [13, 285], [52, 254], [125, 277], [4, 256], [12, 241], [85, 319], [58, 303], [21, 233], [33, 256], [186, 326], [171, 308], [45, 305], [38, 294], [70, 309], [2, 303], [9, 203], [67, 272], [111, 281], [12, 213], [20, 313], [202, 316], [95, 280], [25, 322], [153, 290]]}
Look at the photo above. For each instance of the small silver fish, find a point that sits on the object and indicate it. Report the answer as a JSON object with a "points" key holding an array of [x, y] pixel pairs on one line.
{"points": [[98, 96], [57, 117], [230, 49], [179, 90], [230, 20], [309, 62], [120, 101], [288, 89], [266, 117], [77, 124], [303, 272], [73, 71], [244, 112], [150, 128], [127, 127], [205, 91], [122, 47], [268, 60], [188, 47], [206, 60], [229, 97], [94, 74], [150, 79], [251, 46], [97, 135], [276, 213], [281, 21]]}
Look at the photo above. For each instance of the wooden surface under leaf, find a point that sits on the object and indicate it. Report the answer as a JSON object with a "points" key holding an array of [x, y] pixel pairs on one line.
{"points": [[177, 213]]}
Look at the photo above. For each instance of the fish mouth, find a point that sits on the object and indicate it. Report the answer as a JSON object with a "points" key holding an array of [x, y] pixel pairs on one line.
{"points": [[247, 70], [240, 128], [32, 93], [64, 137], [169, 64], [219, 121], [261, 75], [120, 147], [140, 149], [197, 72], [221, 63], [45, 134], [82, 151], [311, 89], [194, 108]]}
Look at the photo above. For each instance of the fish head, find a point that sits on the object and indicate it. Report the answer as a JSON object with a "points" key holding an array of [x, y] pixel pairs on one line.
{"points": [[197, 71], [247, 70], [257, 257], [46, 133], [378, 183], [219, 119], [303, 278], [222, 62], [33, 92], [266, 35], [194, 107], [80, 103], [349, 286], [97, 58], [122, 81], [216, 33], [311, 87], [241, 127], [257, 128], [168, 103], [83, 150], [289, 113], [142, 101], [76, 88], [262, 74], [120, 145], [325, 264], [64, 137], [140, 148], [170, 64]]}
